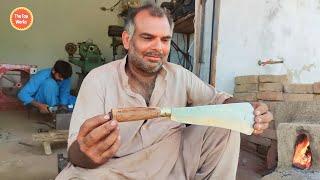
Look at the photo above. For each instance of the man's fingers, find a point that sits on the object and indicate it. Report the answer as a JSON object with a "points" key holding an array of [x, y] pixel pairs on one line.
{"points": [[257, 132], [106, 143], [259, 108], [99, 133], [260, 126], [92, 123], [265, 118], [112, 150]]}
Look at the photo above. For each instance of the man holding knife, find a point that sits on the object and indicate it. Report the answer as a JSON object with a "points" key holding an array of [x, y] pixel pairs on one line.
{"points": [[102, 148]]}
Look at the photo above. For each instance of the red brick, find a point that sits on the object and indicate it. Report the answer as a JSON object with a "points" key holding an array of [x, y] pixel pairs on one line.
{"points": [[271, 87], [316, 87], [246, 96], [298, 97], [246, 79], [298, 88], [273, 78], [259, 140], [316, 97], [270, 96], [244, 88]]}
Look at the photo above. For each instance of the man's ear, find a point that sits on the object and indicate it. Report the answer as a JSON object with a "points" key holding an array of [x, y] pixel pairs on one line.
{"points": [[125, 39]]}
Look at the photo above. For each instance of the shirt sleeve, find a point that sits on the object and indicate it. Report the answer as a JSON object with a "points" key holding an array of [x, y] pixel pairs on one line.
{"points": [[29, 90], [201, 93], [64, 91], [90, 103]]}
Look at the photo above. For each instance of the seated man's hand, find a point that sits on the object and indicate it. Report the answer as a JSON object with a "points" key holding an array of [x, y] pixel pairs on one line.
{"points": [[43, 108], [99, 138], [262, 117]]}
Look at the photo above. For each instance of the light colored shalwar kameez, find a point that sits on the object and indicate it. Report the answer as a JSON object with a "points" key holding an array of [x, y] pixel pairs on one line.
{"points": [[159, 148]]}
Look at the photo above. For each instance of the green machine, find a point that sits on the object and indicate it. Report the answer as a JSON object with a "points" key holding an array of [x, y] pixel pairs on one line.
{"points": [[89, 57]]}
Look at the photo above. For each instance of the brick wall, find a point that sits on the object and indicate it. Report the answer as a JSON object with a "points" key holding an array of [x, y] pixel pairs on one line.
{"points": [[274, 88]]}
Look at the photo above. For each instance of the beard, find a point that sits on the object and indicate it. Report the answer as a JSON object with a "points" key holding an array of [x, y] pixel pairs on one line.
{"points": [[143, 65]]}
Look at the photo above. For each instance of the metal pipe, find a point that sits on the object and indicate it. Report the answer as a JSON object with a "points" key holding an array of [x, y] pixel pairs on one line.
{"points": [[269, 61]]}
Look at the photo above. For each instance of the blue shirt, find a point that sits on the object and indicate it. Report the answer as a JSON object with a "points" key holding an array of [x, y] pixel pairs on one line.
{"points": [[27, 93]]}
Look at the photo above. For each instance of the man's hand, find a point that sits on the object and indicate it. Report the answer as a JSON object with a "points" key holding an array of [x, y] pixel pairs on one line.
{"points": [[262, 117], [98, 140], [43, 108]]}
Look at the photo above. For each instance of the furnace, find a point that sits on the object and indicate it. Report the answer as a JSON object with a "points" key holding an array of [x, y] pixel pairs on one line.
{"points": [[298, 135]]}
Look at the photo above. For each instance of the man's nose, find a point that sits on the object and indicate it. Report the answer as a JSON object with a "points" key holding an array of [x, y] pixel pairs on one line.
{"points": [[157, 45]]}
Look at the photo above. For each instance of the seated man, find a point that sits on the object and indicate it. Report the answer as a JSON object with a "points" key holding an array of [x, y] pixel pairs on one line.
{"points": [[102, 148], [49, 88]]}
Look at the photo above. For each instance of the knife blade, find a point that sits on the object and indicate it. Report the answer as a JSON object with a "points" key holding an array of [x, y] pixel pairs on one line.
{"points": [[237, 116]]}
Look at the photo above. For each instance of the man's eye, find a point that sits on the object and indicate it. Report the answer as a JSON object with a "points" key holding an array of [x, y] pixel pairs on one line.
{"points": [[165, 40], [147, 38]]}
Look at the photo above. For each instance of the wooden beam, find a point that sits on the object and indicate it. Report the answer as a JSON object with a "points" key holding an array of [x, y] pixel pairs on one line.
{"points": [[198, 43], [46, 138], [214, 43], [51, 136]]}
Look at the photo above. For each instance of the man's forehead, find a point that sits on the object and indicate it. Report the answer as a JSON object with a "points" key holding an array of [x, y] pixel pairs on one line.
{"points": [[145, 22]]}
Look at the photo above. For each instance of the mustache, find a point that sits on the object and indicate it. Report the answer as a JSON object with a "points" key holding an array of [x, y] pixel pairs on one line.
{"points": [[154, 54]]}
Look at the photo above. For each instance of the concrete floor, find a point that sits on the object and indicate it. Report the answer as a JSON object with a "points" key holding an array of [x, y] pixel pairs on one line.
{"points": [[18, 161]]}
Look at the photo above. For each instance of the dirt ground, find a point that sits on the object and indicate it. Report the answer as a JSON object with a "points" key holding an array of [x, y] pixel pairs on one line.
{"points": [[21, 158]]}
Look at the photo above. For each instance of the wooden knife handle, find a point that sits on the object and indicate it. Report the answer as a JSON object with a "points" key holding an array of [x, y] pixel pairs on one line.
{"points": [[135, 113]]}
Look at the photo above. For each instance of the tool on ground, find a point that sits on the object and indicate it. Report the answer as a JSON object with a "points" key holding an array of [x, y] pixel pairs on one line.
{"points": [[238, 116], [52, 109]]}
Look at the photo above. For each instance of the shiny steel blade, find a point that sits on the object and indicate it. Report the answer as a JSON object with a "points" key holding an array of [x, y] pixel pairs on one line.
{"points": [[238, 116]]}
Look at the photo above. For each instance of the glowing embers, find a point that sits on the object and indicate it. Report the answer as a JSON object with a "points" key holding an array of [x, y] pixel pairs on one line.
{"points": [[302, 153]]}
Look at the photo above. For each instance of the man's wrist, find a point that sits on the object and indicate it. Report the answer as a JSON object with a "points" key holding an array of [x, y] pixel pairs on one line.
{"points": [[78, 158], [35, 104]]}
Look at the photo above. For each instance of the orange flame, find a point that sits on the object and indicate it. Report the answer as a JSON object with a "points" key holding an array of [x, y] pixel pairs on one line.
{"points": [[302, 154]]}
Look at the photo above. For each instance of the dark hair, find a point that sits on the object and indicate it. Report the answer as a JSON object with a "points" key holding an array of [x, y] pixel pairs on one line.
{"points": [[63, 68], [153, 10]]}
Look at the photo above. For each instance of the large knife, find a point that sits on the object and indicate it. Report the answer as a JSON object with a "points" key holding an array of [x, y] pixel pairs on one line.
{"points": [[238, 116]]}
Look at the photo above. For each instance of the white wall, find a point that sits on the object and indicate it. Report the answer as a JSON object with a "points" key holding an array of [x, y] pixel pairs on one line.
{"points": [[56, 22], [250, 30]]}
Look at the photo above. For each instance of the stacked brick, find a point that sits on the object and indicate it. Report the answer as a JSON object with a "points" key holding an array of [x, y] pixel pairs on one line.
{"points": [[274, 88], [262, 87]]}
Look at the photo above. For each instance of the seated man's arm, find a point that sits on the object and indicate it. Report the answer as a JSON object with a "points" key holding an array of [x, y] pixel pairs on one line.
{"points": [[97, 141], [43, 108], [29, 90], [201, 93], [93, 137]]}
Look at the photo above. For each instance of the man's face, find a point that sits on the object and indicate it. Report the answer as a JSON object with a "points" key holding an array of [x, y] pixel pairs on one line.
{"points": [[57, 76], [149, 46]]}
